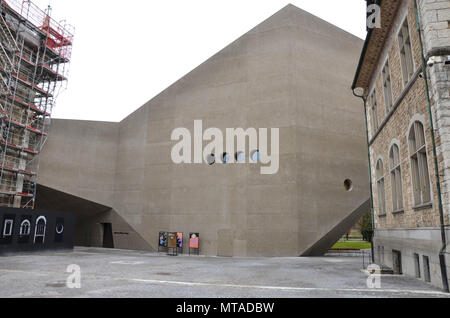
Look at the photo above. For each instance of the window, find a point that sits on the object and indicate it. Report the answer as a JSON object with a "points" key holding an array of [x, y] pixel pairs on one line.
{"points": [[397, 262], [8, 228], [256, 156], [25, 228], [419, 165], [387, 87], [381, 189], [211, 159], [348, 185], [396, 179], [406, 57], [239, 157], [226, 158], [374, 111], [417, 265], [426, 269]]}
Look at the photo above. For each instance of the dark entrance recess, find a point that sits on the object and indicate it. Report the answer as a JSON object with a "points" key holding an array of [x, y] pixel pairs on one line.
{"points": [[108, 239], [397, 262]]}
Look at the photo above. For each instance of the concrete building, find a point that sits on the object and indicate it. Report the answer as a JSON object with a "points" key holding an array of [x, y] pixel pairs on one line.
{"points": [[291, 72], [404, 79]]}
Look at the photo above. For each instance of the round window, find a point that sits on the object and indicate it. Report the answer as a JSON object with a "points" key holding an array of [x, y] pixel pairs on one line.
{"points": [[226, 158], [348, 185], [240, 157], [211, 159], [256, 156]]}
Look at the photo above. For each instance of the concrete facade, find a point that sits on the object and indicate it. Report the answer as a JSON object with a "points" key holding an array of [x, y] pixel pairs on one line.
{"points": [[414, 229], [291, 72]]}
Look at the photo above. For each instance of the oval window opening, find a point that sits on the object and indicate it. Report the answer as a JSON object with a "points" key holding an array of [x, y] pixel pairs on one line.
{"points": [[226, 158], [348, 185], [240, 157], [256, 156], [211, 159]]}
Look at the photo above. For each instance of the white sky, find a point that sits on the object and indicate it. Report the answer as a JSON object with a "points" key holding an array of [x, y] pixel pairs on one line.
{"points": [[127, 52]]}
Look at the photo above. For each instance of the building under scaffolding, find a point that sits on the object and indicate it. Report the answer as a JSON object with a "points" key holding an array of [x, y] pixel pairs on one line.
{"points": [[35, 52]]}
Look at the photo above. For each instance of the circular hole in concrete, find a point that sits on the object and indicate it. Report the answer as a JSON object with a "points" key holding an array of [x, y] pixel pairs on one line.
{"points": [[240, 157], [256, 156], [211, 159], [348, 185], [226, 158]]}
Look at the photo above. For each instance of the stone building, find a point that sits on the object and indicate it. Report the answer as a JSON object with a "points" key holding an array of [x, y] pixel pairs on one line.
{"points": [[402, 61], [291, 72]]}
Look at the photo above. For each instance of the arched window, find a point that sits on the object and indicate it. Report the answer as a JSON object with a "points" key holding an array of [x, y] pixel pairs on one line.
{"points": [[25, 228], [39, 232], [374, 108], [419, 165], [396, 179], [381, 188]]}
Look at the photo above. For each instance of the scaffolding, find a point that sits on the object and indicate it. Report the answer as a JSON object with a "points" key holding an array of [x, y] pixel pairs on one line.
{"points": [[35, 53]]}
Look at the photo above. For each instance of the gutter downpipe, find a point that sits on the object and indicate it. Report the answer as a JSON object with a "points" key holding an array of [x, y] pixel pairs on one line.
{"points": [[436, 165], [370, 175]]}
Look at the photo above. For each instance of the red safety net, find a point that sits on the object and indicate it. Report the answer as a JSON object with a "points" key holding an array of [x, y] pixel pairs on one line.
{"points": [[59, 39]]}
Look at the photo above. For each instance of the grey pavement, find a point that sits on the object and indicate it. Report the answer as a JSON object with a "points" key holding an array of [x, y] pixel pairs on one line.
{"points": [[120, 273]]}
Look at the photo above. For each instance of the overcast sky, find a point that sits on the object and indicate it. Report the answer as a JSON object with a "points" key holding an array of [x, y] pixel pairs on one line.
{"points": [[126, 52]]}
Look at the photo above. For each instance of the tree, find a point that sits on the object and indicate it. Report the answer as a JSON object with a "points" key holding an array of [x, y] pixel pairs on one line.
{"points": [[366, 227]]}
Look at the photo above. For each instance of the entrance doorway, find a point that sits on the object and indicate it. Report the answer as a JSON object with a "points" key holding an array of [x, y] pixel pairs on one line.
{"points": [[108, 239]]}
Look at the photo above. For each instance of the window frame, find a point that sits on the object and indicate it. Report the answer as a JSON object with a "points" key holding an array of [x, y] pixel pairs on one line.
{"points": [[396, 176], [386, 77], [418, 157], [374, 110], [417, 266], [381, 188], [407, 74], [426, 269]]}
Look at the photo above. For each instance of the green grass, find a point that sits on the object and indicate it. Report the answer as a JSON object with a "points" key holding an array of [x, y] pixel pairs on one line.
{"points": [[352, 245]]}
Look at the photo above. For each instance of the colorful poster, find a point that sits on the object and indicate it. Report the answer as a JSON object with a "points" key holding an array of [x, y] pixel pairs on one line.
{"points": [[180, 240], [163, 239], [194, 240], [172, 241]]}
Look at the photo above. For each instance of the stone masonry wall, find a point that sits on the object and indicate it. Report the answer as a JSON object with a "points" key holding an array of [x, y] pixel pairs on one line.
{"points": [[412, 107], [435, 18]]}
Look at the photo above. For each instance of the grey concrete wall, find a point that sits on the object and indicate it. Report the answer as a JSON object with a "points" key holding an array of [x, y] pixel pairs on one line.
{"points": [[422, 241], [80, 158], [292, 72]]}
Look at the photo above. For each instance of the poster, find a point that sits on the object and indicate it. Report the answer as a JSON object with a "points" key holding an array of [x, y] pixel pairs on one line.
{"points": [[172, 241], [163, 239], [194, 240], [180, 240]]}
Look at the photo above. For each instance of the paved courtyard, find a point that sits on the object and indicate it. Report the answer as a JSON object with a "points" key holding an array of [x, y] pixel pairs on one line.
{"points": [[119, 273]]}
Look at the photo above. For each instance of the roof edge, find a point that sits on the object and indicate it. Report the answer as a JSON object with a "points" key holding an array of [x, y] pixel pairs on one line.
{"points": [[364, 51]]}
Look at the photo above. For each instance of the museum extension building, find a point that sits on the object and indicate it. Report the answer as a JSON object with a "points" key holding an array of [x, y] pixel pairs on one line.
{"points": [[292, 72]]}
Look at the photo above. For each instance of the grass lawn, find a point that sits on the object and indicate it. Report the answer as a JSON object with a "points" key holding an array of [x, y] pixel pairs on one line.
{"points": [[352, 245]]}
